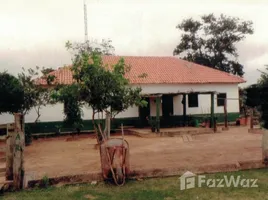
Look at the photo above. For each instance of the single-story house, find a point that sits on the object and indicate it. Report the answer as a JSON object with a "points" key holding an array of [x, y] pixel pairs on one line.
{"points": [[176, 87]]}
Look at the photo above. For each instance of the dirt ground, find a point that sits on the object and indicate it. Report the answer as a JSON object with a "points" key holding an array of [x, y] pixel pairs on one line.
{"points": [[58, 157]]}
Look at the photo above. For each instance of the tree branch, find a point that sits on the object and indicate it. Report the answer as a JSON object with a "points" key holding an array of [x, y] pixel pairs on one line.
{"points": [[38, 113]]}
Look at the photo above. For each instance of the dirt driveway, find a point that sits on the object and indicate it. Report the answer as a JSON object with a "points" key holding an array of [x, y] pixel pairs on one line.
{"points": [[57, 157]]}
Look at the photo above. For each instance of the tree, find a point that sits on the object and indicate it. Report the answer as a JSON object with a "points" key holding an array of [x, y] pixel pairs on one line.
{"points": [[105, 47], [102, 88], [11, 93], [47, 71], [35, 95], [211, 41], [252, 94], [264, 76], [263, 88], [42, 98], [256, 96], [251, 99], [69, 96]]}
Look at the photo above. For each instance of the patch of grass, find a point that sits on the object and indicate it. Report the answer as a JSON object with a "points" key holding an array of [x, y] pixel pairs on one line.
{"points": [[151, 189], [44, 182]]}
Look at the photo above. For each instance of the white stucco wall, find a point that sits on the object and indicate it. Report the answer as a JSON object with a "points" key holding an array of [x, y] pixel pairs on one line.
{"points": [[177, 105], [130, 112], [48, 114], [55, 112], [153, 107], [203, 99]]}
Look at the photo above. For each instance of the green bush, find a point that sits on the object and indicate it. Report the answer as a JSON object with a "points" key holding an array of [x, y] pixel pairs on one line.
{"points": [[264, 105], [44, 182]]}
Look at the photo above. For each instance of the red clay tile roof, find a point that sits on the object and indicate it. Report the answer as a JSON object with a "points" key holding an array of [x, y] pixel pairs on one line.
{"points": [[160, 70]]}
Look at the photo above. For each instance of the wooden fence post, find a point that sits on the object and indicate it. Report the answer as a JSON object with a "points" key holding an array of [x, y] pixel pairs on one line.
{"points": [[18, 162], [10, 144]]}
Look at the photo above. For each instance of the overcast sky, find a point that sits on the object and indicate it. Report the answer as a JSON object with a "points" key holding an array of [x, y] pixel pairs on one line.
{"points": [[33, 32]]}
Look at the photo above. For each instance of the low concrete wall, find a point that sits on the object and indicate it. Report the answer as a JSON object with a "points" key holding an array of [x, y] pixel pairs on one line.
{"points": [[155, 173]]}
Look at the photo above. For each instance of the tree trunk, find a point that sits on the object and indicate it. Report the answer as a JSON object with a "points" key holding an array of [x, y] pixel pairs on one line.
{"points": [[95, 128], [18, 162], [38, 114], [107, 130]]}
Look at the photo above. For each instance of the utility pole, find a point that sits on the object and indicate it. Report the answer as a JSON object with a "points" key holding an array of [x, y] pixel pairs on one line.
{"points": [[85, 21]]}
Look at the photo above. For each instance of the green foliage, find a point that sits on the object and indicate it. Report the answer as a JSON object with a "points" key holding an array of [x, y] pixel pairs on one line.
{"points": [[44, 182], [69, 96], [30, 92], [264, 77], [47, 76], [103, 88], [264, 105], [47, 71], [152, 122], [256, 96], [211, 41], [263, 90], [11, 93], [104, 48], [23, 94], [252, 95], [35, 95]]}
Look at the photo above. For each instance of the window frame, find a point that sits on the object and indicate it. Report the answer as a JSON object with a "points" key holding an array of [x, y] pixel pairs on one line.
{"points": [[192, 104], [220, 100]]}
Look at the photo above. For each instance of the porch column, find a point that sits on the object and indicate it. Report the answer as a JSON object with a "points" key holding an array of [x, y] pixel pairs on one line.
{"points": [[184, 109], [158, 101], [212, 110], [225, 115]]}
